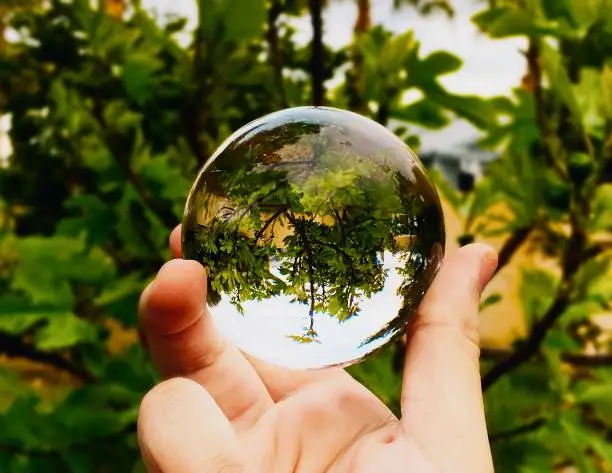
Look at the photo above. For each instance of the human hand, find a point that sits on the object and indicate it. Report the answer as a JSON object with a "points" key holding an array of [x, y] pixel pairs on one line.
{"points": [[220, 411]]}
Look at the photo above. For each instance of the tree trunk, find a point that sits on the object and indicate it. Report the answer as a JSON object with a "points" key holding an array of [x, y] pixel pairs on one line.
{"points": [[364, 17], [355, 79], [317, 68], [276, 58]]}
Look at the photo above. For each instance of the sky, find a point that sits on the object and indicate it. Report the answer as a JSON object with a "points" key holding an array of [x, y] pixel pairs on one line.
{"points": [[265, 328]]}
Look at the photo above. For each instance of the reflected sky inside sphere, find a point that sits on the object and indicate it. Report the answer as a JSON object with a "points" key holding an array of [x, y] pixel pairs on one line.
{"points": [[340, 342], [320, 232]]}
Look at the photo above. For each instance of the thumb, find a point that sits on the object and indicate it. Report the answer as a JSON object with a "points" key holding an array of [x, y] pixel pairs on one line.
{"points": [[442, 399], [182, 430]]}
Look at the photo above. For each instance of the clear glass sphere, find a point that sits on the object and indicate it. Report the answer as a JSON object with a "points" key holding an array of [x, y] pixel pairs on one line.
{"points": [[320, 232]]}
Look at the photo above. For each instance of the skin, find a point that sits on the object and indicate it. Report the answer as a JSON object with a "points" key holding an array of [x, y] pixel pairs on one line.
{"points": [[219, 411]]}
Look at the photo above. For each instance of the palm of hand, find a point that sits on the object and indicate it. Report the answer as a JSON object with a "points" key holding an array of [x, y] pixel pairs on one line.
{"points": [[331, 426], [222, 412]]}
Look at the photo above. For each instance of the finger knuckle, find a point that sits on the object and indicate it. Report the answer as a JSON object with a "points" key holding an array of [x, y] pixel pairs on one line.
{"points": [[161, 395]]}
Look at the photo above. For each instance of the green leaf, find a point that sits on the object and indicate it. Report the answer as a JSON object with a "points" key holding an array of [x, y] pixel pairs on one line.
{"points": [[448, 192], [64, 332], [520, 455], [589, 278], [594, 393], [378, 375], [120, 117], [585, 439], [94, 154], [138, 76], [78, 462], [48, 265], [120, 298], [440, 63], [41, 283], [490, 301], [606, 86], [518, 398], [517, 179], [557, 341], [504, 22], [17, 315], [244, 19], [165, 179], [424, 113], [590, 97], [240, 20], [120, 289], [92, 216], [537, 290], [559, 9], [484, 196], [588, 12], [559, 378], [580, 311], [560, 82], [476, 110]]}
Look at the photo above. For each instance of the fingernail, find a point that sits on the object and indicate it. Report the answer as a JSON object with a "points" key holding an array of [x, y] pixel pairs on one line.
{"points": [[170, 264]]}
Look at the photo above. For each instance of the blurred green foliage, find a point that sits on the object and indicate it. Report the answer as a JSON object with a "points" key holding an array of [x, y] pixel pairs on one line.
{"points": [[112, 117]]}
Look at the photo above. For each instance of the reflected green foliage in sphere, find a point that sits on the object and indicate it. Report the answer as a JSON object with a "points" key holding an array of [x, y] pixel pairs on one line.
{"points": [[320, 232]]}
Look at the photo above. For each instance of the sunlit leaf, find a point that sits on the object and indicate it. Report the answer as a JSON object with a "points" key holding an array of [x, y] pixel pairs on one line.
{"points": [[508, 21], [17, 314], [537, 291], [65, 331], [424, 113]]}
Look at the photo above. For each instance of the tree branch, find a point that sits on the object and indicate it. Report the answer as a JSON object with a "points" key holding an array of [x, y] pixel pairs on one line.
{"points": [[511, 246], [520, 430], [535, 74], [579, 360], [13, 347], [572, 260], [317, 62], [269, 222], [533, 342], [309, 263]]}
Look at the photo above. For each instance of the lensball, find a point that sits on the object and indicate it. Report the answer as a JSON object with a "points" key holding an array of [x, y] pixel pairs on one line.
{"points": [[320, 231]]}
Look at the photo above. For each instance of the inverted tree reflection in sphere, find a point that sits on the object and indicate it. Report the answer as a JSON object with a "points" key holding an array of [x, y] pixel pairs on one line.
{"points": [[320, 232]]}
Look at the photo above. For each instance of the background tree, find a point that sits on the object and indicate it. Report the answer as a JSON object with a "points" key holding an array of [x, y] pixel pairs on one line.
{"points": [[111, 118]]}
